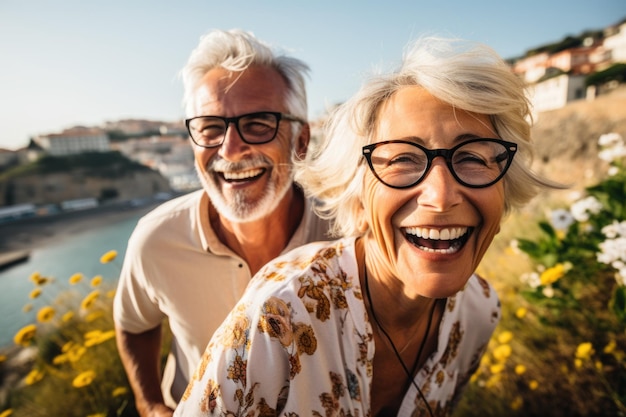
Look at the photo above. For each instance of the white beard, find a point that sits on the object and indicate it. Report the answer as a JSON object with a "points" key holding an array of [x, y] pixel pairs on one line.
{"points": [[240, 208]]}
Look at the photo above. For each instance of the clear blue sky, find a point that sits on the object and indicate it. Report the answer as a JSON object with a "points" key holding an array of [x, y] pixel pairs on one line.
{"points": [[83, 62]]}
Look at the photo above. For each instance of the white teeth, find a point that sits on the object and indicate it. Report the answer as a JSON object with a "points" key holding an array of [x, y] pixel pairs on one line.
{"points": [[437, 234], [242, 175]]}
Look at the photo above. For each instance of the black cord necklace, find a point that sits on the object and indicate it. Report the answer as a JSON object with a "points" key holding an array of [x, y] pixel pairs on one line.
{"points": [[393, 346]]}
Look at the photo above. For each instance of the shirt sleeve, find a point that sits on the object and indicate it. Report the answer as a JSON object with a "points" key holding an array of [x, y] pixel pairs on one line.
{"points": [[134, 307]]}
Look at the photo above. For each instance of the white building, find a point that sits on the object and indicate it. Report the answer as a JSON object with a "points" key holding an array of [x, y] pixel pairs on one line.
{"points": [[615, 42], [556, 92], [74, 141]]}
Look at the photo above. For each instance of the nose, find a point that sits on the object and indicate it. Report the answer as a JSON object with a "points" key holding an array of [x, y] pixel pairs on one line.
{"points": [[233, 147], [439, 190]]}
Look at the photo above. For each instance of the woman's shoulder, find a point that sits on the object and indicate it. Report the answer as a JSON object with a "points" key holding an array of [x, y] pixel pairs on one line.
{"points": [[477, 301], [307, 271]]}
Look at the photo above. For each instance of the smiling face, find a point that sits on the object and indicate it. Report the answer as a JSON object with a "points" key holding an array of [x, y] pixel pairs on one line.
{"points": [[431, 237], [245, 182]]}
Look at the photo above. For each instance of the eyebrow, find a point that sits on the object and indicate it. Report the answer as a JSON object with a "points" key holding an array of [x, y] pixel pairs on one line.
{"points": [[458, 139]]}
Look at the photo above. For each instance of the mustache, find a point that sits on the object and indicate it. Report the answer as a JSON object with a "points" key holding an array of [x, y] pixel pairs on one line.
{"points": [[220, 165]]}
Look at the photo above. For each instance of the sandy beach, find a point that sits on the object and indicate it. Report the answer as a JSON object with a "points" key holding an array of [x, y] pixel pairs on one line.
{"points": [[31, 233]]}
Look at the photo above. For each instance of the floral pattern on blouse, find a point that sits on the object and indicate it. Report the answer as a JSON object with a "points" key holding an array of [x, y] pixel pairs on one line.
{"points": [[299, 343]]}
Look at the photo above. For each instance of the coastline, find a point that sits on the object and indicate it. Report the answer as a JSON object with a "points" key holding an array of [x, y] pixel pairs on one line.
{"points": [[34, 232]]}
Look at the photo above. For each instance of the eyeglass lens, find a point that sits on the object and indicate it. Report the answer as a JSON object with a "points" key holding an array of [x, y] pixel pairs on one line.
{"points": [[253, 128], [476, 163]]}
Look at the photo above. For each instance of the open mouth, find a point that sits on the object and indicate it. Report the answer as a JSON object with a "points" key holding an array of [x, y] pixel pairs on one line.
{"points": [[445, 241], [242, 176]]}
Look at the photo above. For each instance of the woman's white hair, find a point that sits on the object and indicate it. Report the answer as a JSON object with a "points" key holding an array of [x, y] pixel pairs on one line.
{"points": [[467, 75]]}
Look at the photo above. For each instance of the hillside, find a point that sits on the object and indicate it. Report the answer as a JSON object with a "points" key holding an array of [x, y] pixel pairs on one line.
{"points": [[567, 139]]}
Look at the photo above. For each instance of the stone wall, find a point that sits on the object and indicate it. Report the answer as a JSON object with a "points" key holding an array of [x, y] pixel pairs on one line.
{"points": [[58, 187]]}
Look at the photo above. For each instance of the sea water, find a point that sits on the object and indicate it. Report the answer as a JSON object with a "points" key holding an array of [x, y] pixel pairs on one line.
{"points": [[59, 260]]}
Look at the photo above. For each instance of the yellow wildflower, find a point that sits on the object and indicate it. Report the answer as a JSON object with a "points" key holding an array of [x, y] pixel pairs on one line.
{"points": [[76, 278], [493, 381], [67, 316], [110, 294], [35, 293], [83, 379], [35, 277], [119, 391], [520, 313], [108, 257], [610, 347], [584, 351], [96, 337], [25, 335], [60, 359], [552, 275], [517, 403], [520, 369], [578, 363], [97, 280], [38, 279], [496, 368], [505, 337], [45, 314], [6, 413], [33, 377], [3, 358], [97, 415], [90, 299], [502, 352], [75, 353], [67, 346], [27, 308], [93, 316], [533, 385]]}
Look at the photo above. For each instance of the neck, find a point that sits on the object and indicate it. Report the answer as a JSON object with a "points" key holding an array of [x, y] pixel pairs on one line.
{"points": [[260, 241]]}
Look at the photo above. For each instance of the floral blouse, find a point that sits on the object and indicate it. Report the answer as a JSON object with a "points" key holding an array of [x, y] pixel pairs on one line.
{"points": [[299, 343]]}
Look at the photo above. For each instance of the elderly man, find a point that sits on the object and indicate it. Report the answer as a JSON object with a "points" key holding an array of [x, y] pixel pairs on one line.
{"points": [[190, 259]]}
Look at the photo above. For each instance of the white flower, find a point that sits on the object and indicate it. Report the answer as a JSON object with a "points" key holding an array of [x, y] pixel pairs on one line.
{"points": [[561, 219], [613, 171], [610, 139], [548, 291], [532, 279], [514, 245], [615, 229], [582, 208], [613, 147]]}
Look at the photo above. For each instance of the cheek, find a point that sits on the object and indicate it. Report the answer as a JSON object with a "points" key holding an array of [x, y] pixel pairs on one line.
{"points": [[201, 155], [492, 212], [381, 203]]}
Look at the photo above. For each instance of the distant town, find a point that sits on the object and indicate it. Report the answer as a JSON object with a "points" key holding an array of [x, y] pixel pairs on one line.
{"points": [[578, 67]]}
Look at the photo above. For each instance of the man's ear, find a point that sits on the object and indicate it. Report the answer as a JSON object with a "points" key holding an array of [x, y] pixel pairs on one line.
{"points": [[302, 142]]}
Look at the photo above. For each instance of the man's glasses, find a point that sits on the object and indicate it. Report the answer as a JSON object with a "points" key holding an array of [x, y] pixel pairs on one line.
{"points": [[253, 128], [477, 163]]}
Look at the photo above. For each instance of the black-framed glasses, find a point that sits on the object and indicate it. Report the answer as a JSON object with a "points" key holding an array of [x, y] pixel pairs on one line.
{"points": [[476, 163], [253, 128]]}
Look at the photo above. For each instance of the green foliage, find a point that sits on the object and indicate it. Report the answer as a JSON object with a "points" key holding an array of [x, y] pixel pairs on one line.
{"points": [[566, 43], [616, 72], [95, 164], [561, 348]]}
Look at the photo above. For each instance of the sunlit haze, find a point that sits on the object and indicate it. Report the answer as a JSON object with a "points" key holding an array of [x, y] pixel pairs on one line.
{"points": [[69, 62]]}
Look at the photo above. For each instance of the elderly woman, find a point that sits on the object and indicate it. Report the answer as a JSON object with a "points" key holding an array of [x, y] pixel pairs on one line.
{"points": [[417, 171]]}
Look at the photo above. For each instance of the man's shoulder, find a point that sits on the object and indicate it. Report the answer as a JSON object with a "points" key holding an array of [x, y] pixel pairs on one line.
{"points": [[174, 208]]}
